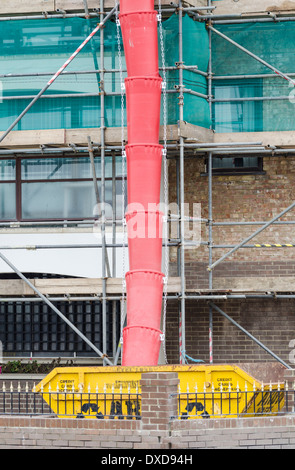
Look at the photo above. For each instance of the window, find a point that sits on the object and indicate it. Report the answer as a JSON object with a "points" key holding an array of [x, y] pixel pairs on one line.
{"points": [[7, 189], [237, 164], [238, 114], [33, 327], [55, 188]]}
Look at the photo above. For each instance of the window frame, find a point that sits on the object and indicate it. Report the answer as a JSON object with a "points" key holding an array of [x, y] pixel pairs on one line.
{"points": [[246, 88], [18, 181], [232, 171], [32, 328]]}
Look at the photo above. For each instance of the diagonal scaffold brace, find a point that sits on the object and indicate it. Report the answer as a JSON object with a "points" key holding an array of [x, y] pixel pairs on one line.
{"points": [[51, 305], [254, 56], [246, 240], [59, 72]]}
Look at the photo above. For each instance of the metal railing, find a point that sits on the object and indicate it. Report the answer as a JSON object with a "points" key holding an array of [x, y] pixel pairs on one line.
{"points": [[15, 400], [268, 400], [224, 402]]}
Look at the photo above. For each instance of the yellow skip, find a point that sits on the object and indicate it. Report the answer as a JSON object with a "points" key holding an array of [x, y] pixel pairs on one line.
{"points": [[100, 392]]}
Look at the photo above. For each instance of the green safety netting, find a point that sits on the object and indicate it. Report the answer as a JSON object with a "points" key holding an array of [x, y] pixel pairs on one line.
{"points": [[195, 52], [274, 43], [39, 46]]}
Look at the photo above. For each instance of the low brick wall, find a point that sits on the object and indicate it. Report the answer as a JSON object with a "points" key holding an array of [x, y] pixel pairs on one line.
{"points": [[276, 432], [155, 430], [50, 433]]}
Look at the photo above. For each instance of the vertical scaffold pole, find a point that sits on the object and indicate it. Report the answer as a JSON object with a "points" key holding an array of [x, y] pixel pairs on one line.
{"points": [[102, 137], [114, 212], [181, 178], [114, 258], [210, 253], [210, 208], [96, 190]]}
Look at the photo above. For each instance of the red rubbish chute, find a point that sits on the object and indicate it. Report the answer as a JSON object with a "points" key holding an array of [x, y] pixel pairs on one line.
{"points": [[131, 6], [145, 239], [144, 281], [143, 101], [144, 164], [139, 31]]}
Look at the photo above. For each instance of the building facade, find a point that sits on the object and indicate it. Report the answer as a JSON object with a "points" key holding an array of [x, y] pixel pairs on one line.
{"points": [[228, 125]]}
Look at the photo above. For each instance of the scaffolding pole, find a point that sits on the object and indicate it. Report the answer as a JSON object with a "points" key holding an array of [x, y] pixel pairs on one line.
{"points": [[238, 20], [181, 192], [176, 296], [226, 149], [103, 236], [88, 95], [97, 71], [102, 149], [60, 14], [245, 77], [114, 206], [185, 90], [249, 335], [210, 205], [121, 245], [210, 246]]}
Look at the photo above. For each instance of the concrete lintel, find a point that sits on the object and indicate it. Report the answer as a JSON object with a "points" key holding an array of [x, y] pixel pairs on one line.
{"points": [[281, 139], [65, 137], [70, 5], [71, 286], [194, 133], [10, 7], [248, 7], [249, 284]]}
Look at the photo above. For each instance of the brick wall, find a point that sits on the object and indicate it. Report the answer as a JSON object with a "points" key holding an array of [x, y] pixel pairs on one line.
{"points": [[241, 198], [249, 433], [50, 433], [246, 275], [156, 429], [272, 322], [238, 198]]}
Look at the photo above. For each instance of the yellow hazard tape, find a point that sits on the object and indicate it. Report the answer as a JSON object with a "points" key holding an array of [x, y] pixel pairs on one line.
{"points": [[275, 245]]}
